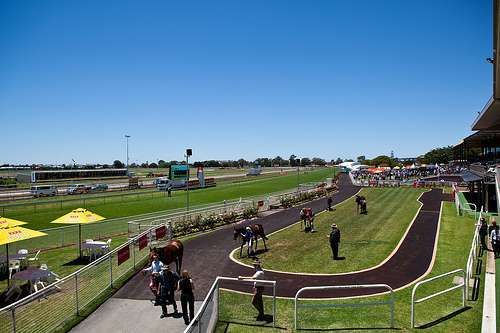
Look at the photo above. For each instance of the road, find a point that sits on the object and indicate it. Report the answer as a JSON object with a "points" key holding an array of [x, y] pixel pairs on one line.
{"points": [[147, 182]]}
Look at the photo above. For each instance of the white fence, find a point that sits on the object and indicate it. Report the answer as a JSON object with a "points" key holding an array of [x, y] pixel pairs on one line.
{"points": [[414, 301], [207, 316], [137, 226], [323, 305], [473, 253], [50, 308]]}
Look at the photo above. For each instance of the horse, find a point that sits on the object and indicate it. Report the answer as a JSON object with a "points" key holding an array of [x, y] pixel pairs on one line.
{"points": [[257, 230], [171, 252], [307, 219]]}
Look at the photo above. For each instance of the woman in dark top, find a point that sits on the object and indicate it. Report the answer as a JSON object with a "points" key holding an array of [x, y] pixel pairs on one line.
{"points": [[186, 287]]}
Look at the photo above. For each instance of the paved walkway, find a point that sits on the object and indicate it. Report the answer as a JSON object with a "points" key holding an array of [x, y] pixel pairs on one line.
{"points": [[127, 315]]}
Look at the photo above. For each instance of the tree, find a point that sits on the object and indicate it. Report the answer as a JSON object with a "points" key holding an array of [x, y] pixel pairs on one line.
{"points": [[118, 164], [153, 165], [437, 155], [338, 161], [277, 161], [318, 161], [361, 159], [383, 160], [305, 161], [292, 159], [242, 163], [162, 164]]}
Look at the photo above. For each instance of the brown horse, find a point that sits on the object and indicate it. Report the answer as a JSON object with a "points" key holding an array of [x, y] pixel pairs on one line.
{"points": [[171, 252], [257, 231]]}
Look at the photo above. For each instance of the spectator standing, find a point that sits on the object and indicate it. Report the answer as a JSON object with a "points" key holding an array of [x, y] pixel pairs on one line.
{"points": [[258, 289], [495, 240], [483, 232], [168, 282], [334, 241], [329, 203], [186, 287], [155, 269]]}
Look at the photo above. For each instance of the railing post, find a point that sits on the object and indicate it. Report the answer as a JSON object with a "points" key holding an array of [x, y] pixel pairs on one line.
{"points": [[110, 271], [76, 295], [133, 252], [274, 305], [392, 309], [464, 291], [295, 312], [13, 319]]}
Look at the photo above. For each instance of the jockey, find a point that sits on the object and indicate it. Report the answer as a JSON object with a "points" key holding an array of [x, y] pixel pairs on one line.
{"points": [[248, 237], [155, 269]]}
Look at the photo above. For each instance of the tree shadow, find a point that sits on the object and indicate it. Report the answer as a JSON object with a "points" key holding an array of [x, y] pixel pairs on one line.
{"points": [[78, 261], [444, 318]]}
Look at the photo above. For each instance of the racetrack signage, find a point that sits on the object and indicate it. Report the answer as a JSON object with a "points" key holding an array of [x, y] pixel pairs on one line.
{"points": [[123, 255]]}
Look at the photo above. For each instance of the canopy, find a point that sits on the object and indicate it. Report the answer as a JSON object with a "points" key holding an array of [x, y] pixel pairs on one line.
{"points": [[79, 216], [15, 234], [9, 223]]}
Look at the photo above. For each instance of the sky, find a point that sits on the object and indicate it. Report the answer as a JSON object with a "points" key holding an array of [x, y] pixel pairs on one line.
{"points": [[239, 79]]}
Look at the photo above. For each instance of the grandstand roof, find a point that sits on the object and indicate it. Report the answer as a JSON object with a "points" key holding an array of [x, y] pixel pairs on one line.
{"points": [[489, 118]]}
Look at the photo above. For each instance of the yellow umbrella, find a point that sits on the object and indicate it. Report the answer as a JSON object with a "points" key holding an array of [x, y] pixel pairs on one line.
{"points": [[79, 216], [15, 234], [9, 223]]}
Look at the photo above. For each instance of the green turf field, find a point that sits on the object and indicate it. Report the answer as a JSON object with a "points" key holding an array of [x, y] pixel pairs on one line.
{"points": [[390, 212], [134, 205], [437, 315]]}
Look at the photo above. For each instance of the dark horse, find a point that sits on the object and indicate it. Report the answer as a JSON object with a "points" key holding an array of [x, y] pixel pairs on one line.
{"points": [[171, 252], [361, 203], [257, 230]]}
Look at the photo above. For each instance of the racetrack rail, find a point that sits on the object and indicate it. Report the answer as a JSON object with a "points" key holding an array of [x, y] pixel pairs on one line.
{"points": [[207, 256]]}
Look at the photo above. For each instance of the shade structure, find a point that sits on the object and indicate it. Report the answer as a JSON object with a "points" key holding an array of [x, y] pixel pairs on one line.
{"points": [[16, 234], [9, 223], [79, 216]]}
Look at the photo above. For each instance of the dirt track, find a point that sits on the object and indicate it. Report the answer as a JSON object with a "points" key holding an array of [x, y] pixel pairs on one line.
{"points": [[207, 256]]}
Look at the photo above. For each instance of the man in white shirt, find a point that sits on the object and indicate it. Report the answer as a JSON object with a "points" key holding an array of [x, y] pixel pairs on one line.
{"points": [[258, 289], [155, 269]]}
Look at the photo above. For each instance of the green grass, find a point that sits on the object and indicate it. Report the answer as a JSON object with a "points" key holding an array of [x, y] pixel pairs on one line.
{"points": [[237, 315], [390, 211], [128, 206]]}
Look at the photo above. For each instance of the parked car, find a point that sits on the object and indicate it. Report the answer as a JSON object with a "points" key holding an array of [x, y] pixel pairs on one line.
{"points": [[99, 188], [43, 190], [78, 189]]}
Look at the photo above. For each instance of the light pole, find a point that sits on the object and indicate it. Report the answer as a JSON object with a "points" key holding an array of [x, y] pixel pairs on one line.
{"points": [[127, 137], [297, 161], [189, 152]]}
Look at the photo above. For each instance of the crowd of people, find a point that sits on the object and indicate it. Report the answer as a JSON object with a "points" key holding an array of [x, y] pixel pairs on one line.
{"points": [[404, 174], [491, 232], [164, 283]]}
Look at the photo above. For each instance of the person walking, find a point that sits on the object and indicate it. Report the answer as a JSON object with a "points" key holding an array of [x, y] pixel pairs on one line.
{"points": [[258, 289], [334, 238], [186, 287], [155, 269], [329, 202], [168, 282], [483, 232]]}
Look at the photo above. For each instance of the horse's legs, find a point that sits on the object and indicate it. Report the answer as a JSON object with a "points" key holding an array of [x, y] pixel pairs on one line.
{"points": [[256, 238], [180, 263], [241, 248], [264, 240]]}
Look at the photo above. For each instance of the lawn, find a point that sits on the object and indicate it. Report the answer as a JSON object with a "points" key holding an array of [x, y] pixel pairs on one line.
{"points": [[113, 207], [439, 314], [390, 211]]}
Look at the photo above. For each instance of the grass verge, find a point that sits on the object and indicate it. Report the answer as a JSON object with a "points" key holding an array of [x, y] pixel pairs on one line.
{"points": [[440, 314]]}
